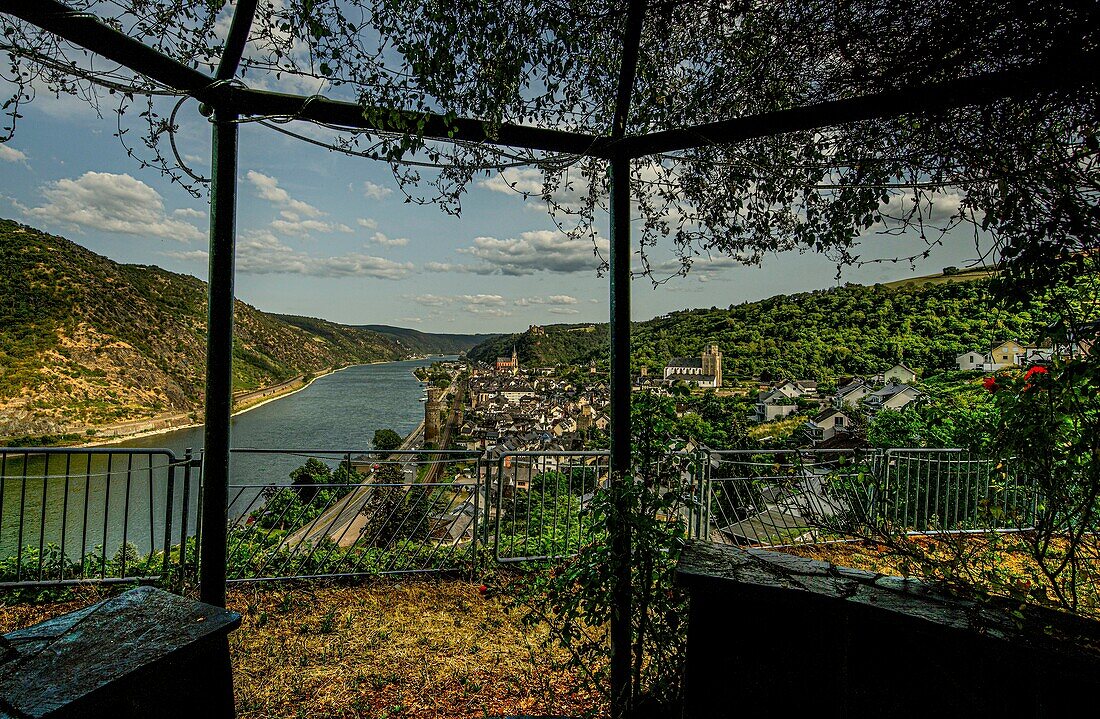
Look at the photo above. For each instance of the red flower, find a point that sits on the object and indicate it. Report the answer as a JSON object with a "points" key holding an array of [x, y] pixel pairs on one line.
{"points": [[1035, 370], [990, 383], [482, 589]]}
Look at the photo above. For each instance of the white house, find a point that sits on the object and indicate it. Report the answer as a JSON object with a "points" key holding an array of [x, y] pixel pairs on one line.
{"points": [[827, 424], [851, 394], [892, 396], [773, 404], [899, 374], [972, 361]]}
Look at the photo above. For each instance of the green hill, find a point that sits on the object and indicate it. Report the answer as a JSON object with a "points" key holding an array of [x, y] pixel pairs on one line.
{"points": [[87, 342], [853, 329], [429, 343], [549, 345]]}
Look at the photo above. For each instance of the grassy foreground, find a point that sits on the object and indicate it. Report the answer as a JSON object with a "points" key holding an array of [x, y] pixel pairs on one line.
{"points": [[385, 649]]}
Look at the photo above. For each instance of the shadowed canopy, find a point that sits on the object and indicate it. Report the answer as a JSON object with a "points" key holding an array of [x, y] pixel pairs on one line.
{"points": [[754, 126]]}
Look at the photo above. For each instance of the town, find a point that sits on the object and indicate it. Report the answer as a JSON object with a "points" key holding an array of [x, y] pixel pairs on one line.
{"points": [[511, 408]]}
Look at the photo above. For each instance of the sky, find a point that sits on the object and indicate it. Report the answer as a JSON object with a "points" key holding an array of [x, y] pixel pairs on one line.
{"points": [[325, 235]]}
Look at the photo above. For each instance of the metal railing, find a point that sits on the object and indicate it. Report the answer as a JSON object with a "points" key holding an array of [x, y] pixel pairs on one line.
{"points": [[96, 515], [781, 497], [541, 507], [771, 497], [373, 513], [72, 515]]}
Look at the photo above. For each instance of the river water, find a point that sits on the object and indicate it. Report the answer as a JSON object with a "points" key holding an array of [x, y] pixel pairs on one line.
{"points": [[91, 501]]}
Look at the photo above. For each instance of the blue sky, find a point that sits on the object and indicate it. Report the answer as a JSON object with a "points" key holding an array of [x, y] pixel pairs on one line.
{"points": [[325, 235]]}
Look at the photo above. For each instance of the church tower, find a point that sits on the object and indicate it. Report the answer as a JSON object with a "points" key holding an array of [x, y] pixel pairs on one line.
{"points": [[712, 364], [515, 362]]}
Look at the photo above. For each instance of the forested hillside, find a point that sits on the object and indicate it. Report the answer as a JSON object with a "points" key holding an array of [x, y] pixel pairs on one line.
{"points": [[86, 341], [550, 345], [429, 342], [852, 329]]}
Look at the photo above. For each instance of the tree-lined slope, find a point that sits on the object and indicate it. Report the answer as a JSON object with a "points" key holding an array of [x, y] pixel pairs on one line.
{"points": [[86, 341], [853, 329], [429, 342]]}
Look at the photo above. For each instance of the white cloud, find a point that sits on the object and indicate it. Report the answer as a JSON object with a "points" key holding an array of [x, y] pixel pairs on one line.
{"points": [[261, 253], [380, 239], [551, 300], [10, 154], [411, 320], [267, 188], [496, 300], [373, 191], [482, 311], [936, 209], [476, 305], [563, 311], [111, 203], [567, 190], [534, 251], [455, 267], [367, 223], [298, 227], [432, 300], [189, 212]]}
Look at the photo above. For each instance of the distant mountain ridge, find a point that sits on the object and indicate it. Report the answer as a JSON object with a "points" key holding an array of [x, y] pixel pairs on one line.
{"points": [[87, 342], [429, 342]]}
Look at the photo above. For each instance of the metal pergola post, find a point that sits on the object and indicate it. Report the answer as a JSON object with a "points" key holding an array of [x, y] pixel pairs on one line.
{"points": [[619, 518], [621, 480], [219, 313], [219, 360]]}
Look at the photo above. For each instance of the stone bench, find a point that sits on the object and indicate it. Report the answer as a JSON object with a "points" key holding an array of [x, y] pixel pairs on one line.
{"points": [[771, 634], [144, 653]]}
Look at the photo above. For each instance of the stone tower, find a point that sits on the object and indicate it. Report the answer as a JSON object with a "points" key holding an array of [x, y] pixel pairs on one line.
{"points": [[712, 364], [432, 410], [515, 362]]}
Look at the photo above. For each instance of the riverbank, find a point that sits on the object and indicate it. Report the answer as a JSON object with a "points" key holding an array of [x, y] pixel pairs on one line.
{"points": [[143, 432], [244, 402]]}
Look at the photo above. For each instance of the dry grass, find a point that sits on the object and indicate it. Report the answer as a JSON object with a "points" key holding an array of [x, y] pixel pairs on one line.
{"points": [[1000, 564], [386, 649]]}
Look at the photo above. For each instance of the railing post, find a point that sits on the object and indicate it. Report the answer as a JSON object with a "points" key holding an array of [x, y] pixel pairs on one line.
{"points": [[219, 360], [185, 511], [169, 492]]}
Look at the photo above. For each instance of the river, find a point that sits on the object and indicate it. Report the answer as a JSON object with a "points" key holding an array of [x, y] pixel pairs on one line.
{"points": [[339, 411]]}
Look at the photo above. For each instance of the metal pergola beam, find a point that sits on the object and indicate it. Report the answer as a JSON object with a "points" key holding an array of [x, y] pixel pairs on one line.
{"points": [[87, 31], [1061, 74], [1065, 72]]}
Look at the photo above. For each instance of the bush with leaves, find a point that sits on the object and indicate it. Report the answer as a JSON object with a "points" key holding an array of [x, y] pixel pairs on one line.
{"points": [[1051, 427], [574, 600]]}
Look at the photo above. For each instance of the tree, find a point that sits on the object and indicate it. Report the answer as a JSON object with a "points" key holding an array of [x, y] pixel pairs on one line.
{"points": [[577, 596], [396, 512], [386, 440], [305, 478], [1021, 169]]}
